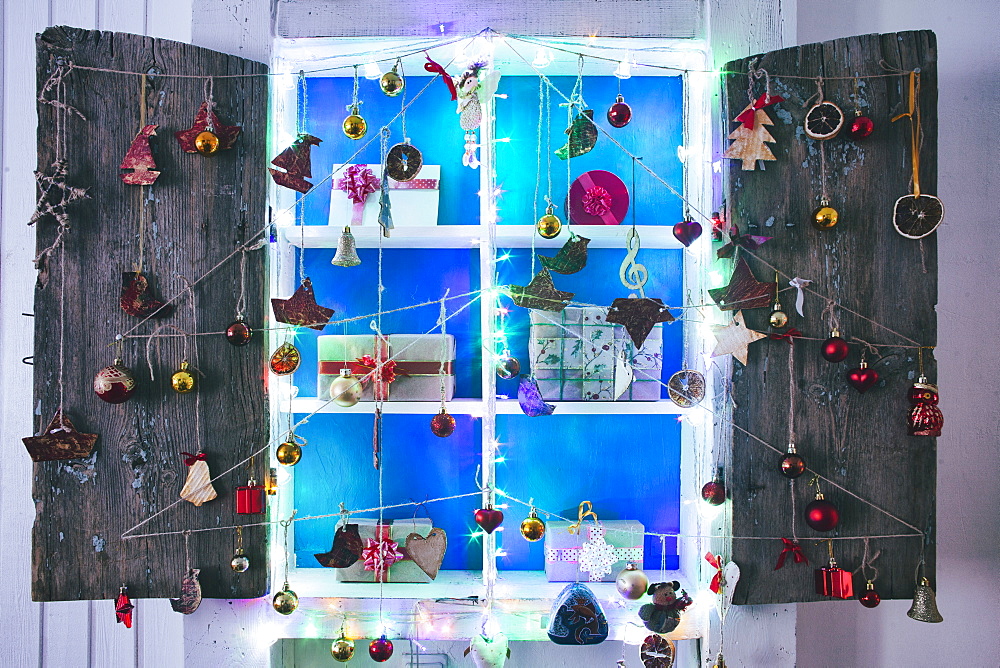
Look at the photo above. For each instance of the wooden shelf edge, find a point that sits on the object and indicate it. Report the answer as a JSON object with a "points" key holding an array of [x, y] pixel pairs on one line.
{"points": [[476, 407]]}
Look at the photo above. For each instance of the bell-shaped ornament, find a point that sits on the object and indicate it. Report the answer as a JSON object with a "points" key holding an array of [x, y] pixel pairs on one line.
{"points": [[577, 618], [346, 255], [924, 608]]}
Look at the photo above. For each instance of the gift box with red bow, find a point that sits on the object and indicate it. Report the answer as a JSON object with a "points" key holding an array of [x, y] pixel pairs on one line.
{"points": [[398, 367], [355, 197], [384, 557]]}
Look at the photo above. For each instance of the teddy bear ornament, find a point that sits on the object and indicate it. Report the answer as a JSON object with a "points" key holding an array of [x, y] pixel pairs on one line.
{"points": [[664, 613]]}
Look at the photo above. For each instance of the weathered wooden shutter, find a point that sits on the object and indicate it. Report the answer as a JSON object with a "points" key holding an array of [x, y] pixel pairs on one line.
{"points": [[859, 441], [197, 213]]}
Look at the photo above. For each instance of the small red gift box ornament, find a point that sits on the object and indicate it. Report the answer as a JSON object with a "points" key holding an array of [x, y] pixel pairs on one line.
{"points": [[833, 581], [250, 498]]}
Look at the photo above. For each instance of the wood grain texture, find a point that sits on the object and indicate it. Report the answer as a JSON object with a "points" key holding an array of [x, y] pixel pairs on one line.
{"points": [[197, 213], [608, 18], [858, 441]]}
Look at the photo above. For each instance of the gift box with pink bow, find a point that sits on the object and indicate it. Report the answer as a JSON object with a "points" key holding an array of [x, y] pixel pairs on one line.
{"points": [[398, 367], [355, 197], [386, 547]]}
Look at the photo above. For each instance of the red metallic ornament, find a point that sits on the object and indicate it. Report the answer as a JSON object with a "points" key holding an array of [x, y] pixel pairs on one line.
{"points": [[380, 649], [822, 515], [862, 378], [238, 333], [489, 518], [834, 582], [714, 492], [870, 598], [115, 384], [834, 349], [687, 231], [443, 424], [861, 127], [620, 113], [792, 465], [124, 608], [926, 419], [250, 498]]}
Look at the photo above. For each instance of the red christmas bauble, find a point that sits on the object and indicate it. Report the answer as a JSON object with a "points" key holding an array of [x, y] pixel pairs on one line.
{"points": [[380, 649], [822, 515], [238, 333], [620, 113], [834, 349], [792, 465], [714, 493], [862, 378], [443, 425], [870, 598], [861, 127], [489, 519], [115, 384]]}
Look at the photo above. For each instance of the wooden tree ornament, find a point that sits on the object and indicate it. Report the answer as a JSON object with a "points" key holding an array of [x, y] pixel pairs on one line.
{"points": [[749, 143]]}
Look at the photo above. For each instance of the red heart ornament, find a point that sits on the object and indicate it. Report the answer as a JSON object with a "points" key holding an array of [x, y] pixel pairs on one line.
{"points": [[489, 519], [862, 378], [687, 231]]}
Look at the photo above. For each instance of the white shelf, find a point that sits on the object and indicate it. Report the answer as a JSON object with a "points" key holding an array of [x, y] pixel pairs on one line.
{"points": [[475, 407], [510, 585], [470, 236]]}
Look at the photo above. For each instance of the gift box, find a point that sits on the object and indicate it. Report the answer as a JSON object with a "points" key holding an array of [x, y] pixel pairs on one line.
{"points": [[389, 542], [574, 355], [355, 197], [596, 553], [412, 372]]}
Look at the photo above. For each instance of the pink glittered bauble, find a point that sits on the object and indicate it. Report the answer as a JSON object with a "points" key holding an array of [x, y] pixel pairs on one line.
{"points": [[442, 425]]}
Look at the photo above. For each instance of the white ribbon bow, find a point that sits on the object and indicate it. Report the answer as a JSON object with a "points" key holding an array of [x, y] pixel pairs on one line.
{"points": [[798, 284]]}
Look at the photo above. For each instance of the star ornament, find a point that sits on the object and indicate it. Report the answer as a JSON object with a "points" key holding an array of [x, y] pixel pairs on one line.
{"points": [[301, 308], [60, 440], [744, 291], [540, 294], [638, 315], [204, 120], [735, 338], [54, 195]]}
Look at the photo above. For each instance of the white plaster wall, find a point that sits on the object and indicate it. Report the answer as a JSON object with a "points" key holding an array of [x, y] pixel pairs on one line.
{"points": [[843, 634]]}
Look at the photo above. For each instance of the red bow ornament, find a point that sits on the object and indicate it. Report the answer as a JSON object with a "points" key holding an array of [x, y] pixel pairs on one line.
{"points": [[791, 547], [788, 336], [359, 182], [749, 114], [715, 563], [435, 68], [380, 553], [190, 459], [597, 201]]}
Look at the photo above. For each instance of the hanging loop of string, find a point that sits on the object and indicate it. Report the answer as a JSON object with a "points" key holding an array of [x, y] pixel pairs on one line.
{"points": [[755, 74], [443, 324]]}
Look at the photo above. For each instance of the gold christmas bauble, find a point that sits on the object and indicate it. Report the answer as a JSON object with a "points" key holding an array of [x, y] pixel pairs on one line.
{"points": [[288, 453], [285, 601], [206, 143], [825, 217], [549, 225], [345, 390], [183, 380], [532, 528], [342, 649], [391, 83], [778, 318], [239, 563], [355, 127]]}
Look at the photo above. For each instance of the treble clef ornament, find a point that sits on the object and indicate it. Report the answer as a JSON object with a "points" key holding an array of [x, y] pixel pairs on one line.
{"points": [[632, 274]]}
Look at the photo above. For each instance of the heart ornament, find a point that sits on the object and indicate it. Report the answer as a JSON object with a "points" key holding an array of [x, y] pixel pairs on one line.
{"points": [[687, 231], [862, 378], [489, 652], [489, 519], [428, 553]]}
